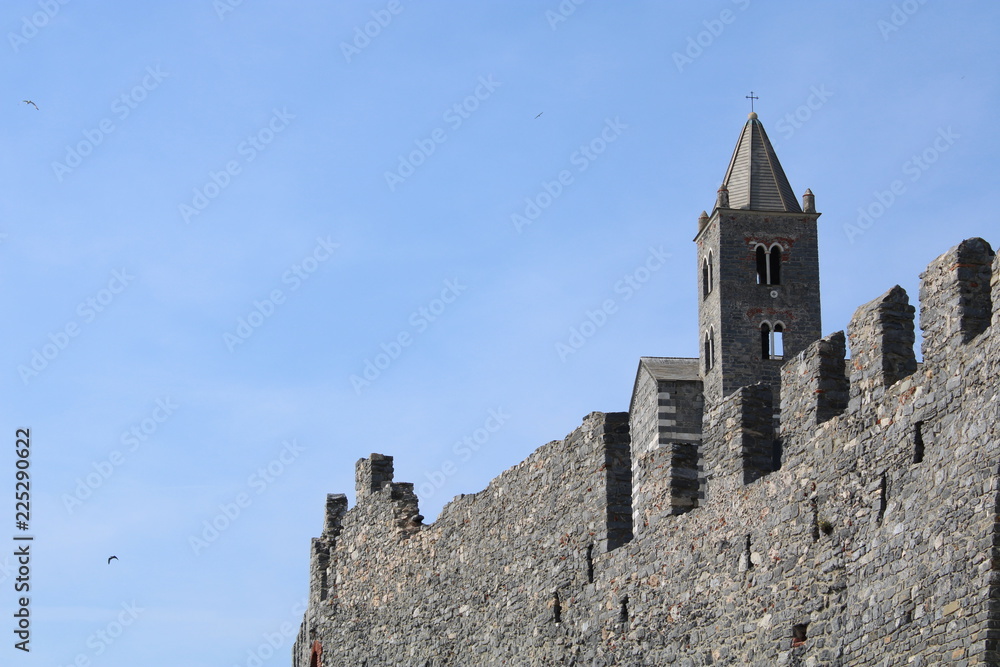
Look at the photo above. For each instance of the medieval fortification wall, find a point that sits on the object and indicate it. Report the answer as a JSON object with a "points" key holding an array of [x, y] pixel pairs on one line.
{"points": [[872, 540]]}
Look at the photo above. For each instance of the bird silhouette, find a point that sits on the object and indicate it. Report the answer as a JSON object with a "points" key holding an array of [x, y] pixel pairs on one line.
{"points": [[111, 559], [539, 114], [31, 103]]}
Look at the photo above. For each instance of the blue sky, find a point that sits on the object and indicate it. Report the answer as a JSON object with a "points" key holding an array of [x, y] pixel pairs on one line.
{"points": [[223, 213]]}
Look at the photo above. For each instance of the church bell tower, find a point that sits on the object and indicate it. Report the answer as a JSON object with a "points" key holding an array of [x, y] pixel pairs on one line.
{"points": [[758, 272]]}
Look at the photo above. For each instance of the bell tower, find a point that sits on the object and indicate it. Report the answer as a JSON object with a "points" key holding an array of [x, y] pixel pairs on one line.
{"points": [[758, 272]]}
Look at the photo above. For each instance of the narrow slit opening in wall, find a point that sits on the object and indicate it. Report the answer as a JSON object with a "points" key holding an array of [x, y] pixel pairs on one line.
{"points": [[623, 612], [556, 608], [777, 449], [883, 499], [590, 564], [799, 634], [918, 442], [746, 554], [815, 530]]}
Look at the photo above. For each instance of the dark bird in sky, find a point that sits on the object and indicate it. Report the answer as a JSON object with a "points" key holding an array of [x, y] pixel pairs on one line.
{"points": [[535, 116], [111, 559], [31, 103]]}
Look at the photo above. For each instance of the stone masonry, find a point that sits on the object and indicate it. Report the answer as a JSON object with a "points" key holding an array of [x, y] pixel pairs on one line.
{"points": [[838, 511]]}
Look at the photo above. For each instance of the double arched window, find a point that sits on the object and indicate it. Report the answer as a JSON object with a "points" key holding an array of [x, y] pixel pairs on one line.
{"points": [[707, 275], [709, 349], [771, 343], [768, 264]]}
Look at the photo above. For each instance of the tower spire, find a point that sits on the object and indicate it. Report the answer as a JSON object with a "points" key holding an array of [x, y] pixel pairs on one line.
{"points": [[755, 179], [758, 271]]}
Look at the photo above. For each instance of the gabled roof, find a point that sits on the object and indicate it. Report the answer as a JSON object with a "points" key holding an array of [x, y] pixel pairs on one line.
{"points": [[666, 368], [672, 368], [755, 179]]}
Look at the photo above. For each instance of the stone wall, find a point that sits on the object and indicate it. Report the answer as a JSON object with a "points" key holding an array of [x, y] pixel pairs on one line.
{"points": [[872, 544]]}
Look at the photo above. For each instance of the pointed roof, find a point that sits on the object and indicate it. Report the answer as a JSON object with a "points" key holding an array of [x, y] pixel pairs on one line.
{"points": [[755, 179]]}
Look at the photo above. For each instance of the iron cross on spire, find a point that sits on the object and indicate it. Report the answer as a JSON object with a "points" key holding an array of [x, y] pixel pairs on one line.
{"points": [[752, 97]]}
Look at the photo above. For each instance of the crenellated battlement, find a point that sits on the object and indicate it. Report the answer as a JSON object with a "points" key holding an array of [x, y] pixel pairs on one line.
{"points": [[814, 387], [881, 337], [955, 298], [822, 518], [393, 502], [739, 437], [372, 474]]}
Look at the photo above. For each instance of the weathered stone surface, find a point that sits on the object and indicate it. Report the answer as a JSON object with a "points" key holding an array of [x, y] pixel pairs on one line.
{"points": [[851, 553], [755, 506]]}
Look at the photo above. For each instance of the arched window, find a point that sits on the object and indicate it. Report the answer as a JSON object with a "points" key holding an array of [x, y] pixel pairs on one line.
{"points": [[711, 344], [771, 343], [768, 264], [777, 342], [774, 265], [707, 275], [708, 354], [709, 349]]}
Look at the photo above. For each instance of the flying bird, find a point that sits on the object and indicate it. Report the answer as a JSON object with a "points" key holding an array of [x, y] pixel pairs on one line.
{"points": [[31, 103], [535, 116], [111, 559]]}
